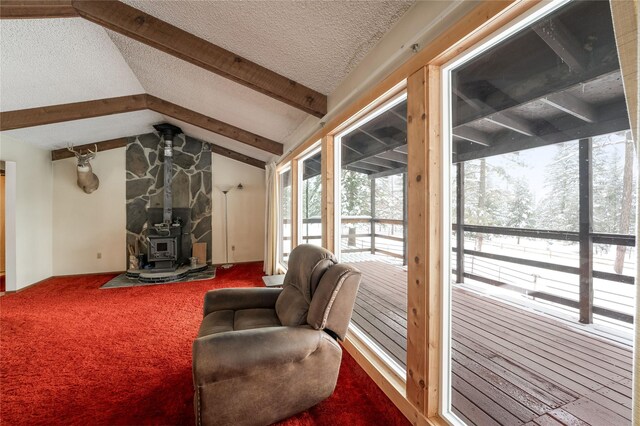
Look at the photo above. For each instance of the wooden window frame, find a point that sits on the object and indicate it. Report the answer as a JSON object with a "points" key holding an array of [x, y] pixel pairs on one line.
{"points": [[421, 398], [505, 32], [385, 102]]}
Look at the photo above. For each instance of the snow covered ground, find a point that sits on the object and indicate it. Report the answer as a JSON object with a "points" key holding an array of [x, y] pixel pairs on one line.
{"points": [[608, 294]]}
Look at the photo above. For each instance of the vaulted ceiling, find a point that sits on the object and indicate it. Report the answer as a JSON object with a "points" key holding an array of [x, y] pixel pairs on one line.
{"points": [[311, 45]]}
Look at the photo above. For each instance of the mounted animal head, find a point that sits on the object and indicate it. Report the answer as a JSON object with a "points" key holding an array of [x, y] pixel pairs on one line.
{"points": [[87, 180]]}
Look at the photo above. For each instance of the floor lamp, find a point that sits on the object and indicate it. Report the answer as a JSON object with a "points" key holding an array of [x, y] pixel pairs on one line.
{"points": [[227, 265]]}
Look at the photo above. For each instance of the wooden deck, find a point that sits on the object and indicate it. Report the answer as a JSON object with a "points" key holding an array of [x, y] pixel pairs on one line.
{"points": [[510, 366]]}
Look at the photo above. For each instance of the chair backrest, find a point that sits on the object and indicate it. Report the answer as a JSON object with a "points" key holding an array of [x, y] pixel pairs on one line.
{"points": [[332, 303], [307, 264], [316, 291]]}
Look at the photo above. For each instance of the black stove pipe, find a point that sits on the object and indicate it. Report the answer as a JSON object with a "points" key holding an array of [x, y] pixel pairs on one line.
{"points": [[168, 132]]}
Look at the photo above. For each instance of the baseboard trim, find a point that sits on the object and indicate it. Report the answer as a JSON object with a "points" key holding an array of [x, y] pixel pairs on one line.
{"points": [[237, 263], [7, 292], [87, 274], [26, 287]]}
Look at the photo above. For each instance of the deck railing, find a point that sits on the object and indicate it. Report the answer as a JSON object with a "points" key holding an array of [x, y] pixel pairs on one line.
{"points": [[388, 237], [379, 236], [584, 299], [368, 240]]}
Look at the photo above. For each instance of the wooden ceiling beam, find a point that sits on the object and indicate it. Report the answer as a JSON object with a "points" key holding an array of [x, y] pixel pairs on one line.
{"points": [[398, 157], [472, 135], [213, 125], [404, 148], [36, 9], [571, 105], [540, 86], [10, 120], [62, 153], [612, 118], [377, 161], [372, 151], [226, 152], [371, 136], [392, 172], [563, 43], [163, 36], [510, 122], [59, 154]]}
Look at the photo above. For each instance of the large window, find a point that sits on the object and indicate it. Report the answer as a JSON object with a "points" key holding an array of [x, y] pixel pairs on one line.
{"points": [[310, 226], [371, 224], [284, 216], [541, 287]]}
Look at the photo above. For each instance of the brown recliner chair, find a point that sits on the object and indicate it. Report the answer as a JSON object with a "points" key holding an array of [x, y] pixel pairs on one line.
{"points": [[265, 354]]}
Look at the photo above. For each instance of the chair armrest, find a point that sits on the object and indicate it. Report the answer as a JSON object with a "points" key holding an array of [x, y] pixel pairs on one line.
{"points": [[235, 354], [240, 298]]}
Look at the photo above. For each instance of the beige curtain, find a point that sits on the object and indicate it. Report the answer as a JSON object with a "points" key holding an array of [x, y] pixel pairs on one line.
{"points": [[271, 218], [625, 25]]}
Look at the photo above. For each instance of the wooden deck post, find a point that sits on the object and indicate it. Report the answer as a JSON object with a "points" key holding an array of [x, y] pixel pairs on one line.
{"points": [[586, 228], [424, 243], [373, 215], [460, 222], [404, 219]]}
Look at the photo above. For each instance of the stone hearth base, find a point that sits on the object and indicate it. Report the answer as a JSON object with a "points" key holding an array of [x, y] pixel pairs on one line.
{"points": [[138, 277]]}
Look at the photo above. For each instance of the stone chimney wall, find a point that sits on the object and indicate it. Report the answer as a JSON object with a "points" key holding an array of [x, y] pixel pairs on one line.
{"points": [[191, 185]]}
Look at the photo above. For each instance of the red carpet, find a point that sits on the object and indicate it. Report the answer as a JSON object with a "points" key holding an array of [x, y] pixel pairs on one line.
{"points": [[71, 353]]}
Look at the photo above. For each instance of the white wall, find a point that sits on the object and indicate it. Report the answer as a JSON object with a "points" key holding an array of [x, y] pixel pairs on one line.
{"points": [[87, 224], [246, 211], [33, 206]]}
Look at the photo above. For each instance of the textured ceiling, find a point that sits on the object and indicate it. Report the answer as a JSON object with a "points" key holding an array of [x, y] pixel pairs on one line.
{"points": [[78, 132], [316, 43], [57, 61], [222, 141], [192, 87]]}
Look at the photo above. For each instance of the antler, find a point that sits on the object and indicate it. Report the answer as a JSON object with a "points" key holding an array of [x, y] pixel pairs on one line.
{"points": [[92, 154], [70, 148]]}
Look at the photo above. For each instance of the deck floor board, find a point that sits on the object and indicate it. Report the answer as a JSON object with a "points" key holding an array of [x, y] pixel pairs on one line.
{"points": [[574, 361], [511, 365]]}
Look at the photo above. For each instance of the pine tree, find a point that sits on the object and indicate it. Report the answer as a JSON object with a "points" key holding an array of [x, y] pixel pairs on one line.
{"points": [[311, 197], [520, 212], [285, 195], [389, 197], [311, 204], [485, 195], [356, 194], [607, 186], [626, 201], [559, 209]]}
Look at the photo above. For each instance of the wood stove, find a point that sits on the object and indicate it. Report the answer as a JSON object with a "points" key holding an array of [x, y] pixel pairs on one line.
{"points": [[164, 246]]}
